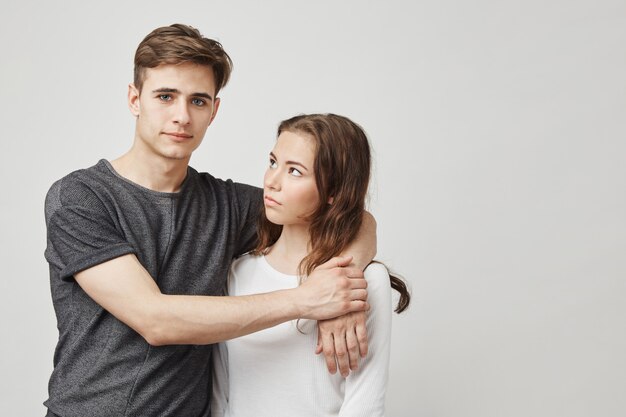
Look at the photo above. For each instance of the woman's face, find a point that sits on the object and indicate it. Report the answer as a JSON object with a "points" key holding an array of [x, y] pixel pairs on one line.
{"points": [[290, 191]]}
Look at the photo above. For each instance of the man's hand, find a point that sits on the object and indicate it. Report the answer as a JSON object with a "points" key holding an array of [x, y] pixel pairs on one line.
{"points": [[343, 341], [332, 290]]}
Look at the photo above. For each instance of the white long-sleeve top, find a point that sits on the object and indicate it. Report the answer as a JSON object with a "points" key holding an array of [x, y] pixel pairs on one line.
{"points": [[275, 372]]}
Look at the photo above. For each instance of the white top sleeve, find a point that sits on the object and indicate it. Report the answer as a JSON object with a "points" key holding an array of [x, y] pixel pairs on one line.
{"points": [[365, 388]]}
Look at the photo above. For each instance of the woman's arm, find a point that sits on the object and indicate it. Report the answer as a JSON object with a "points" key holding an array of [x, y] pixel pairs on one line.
{"points": [[365, 388], [344, 339]]}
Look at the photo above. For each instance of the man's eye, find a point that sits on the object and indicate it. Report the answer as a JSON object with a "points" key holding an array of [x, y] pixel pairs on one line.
{"points": [[295, 172], [198, 102], [165, 97]]}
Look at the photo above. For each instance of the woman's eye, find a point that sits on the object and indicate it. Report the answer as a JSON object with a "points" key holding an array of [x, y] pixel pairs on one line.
{"points": [[295, 172], [273, 163], [198, 102]]}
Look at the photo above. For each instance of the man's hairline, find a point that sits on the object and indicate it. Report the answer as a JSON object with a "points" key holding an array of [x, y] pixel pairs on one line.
{"points": [[143, 69]]}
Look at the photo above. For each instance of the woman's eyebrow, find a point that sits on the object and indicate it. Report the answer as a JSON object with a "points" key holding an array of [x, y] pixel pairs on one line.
{"points": [[290, 162]]}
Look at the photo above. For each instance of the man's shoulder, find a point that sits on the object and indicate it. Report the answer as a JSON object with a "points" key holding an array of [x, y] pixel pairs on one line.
{"points": [[78, 185], [210, 179], [227, 186], [83, 175]]}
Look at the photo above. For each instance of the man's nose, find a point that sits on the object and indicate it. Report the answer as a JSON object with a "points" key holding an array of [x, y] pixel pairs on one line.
{"points": [[181, 116]]}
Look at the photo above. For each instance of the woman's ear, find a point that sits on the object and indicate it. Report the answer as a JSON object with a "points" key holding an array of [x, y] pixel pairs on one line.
{"points": [[330, 200]]}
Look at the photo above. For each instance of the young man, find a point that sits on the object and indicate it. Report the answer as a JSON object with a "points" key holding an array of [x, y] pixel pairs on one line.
{"points": [[139, 250]]}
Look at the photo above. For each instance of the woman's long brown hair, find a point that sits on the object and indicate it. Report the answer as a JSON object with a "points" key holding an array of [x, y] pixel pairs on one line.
{"points": [[342, 172]]}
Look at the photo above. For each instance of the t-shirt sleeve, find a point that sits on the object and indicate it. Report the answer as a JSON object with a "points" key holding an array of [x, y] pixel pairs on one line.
{"points": [[81, 232], [220, 382], [250, 201], [365, 388]]}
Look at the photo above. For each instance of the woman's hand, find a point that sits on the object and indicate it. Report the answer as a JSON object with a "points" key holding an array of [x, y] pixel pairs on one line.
{"points": [[343, 341]]}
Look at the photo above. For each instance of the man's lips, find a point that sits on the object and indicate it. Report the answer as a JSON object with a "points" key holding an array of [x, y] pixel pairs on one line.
{"points": [[179, 136], [271, 202]]}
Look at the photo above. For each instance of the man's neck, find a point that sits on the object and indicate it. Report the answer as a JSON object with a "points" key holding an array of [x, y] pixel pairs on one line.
{"points": [[152, 171]]}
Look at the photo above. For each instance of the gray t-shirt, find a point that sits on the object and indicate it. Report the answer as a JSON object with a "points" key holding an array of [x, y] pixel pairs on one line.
{"points": [[185, 240]]}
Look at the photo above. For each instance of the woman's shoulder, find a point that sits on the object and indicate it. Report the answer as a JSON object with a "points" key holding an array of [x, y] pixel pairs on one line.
{"points": [[377, 277], [375, 270], [244, 268], [246, 260]]}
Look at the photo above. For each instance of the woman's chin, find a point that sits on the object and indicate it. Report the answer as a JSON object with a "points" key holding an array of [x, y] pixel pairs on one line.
{"points": [[272, 218]]}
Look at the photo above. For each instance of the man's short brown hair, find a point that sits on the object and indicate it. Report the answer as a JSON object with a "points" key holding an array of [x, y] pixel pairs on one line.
{"points": [[178, 44]]}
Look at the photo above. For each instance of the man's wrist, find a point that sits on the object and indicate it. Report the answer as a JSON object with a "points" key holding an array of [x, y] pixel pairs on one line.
{"points": [[295, 307]]}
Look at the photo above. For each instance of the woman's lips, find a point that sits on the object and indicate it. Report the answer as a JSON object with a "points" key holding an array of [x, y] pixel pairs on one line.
{"points": [[269, 201]]}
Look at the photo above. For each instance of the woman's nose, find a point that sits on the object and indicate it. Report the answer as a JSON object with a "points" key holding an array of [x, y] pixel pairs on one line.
{"points": [[272, 179]]}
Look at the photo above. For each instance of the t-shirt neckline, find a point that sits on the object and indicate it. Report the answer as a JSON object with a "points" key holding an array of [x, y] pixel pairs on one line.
{"points": [[175, 194]]}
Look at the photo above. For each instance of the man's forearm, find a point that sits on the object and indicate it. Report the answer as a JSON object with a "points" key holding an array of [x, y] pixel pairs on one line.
{"points": [[124, 288], [199, 320], [363, 248]]}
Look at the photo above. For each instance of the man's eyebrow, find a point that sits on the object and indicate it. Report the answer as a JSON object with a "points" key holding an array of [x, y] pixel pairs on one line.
{"points": [[290, 162], [177, 91], [202, 95], [166, 90]]}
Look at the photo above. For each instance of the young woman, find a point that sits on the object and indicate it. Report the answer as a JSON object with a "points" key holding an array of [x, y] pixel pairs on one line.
{"points": [[314, 189]]}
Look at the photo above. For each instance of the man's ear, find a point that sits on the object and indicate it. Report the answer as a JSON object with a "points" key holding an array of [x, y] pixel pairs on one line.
{"points": [[133, 100], [216, 106]]}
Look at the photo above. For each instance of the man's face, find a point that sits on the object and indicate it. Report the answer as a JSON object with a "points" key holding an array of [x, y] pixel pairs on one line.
{"points": [[176, 105]]}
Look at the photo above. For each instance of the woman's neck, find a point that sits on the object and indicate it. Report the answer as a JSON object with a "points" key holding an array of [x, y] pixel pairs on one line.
{"points": [[291, 247]]}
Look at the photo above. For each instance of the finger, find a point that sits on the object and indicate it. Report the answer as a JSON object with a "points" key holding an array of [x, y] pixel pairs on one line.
{"points": [[361, 334], [353, 272], [328, 347], [353, 348], [358, 295], [343, 260], [341, 352], [357, 305], [357, 283], [318, 346], [336, 262]]}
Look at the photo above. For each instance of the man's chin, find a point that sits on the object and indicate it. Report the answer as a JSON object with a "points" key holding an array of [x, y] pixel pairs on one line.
{"points": [[176, 154], [178, 157]]}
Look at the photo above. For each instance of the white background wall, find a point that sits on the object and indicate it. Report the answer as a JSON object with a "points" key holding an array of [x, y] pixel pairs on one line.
{"points": [[499, 132]]}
